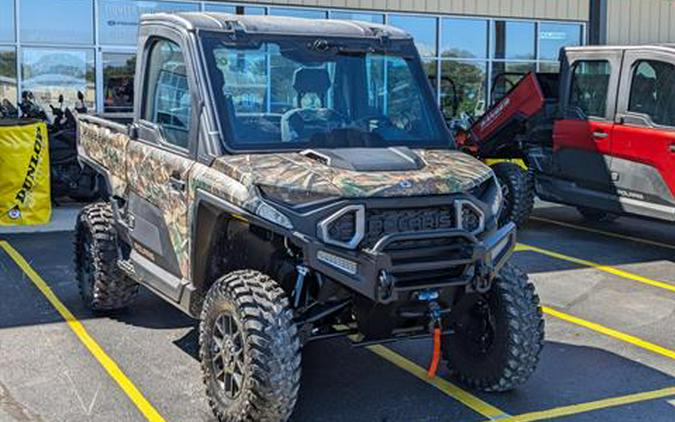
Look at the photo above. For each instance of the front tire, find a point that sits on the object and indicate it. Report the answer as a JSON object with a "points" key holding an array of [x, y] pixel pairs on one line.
{"points": [[497, 341], [102, 284], [518, 193], [249, 349]]}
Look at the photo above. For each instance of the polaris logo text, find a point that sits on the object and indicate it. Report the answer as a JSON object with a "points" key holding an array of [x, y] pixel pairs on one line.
{"points": [[492, 116], [29, 180]]}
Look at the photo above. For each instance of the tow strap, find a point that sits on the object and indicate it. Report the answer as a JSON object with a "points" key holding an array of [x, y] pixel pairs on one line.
{"points": [[436, 357]]}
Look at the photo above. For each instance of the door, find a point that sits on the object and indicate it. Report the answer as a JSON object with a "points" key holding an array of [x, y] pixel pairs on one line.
{"points": [[159, 165], [643, 146], [582, 137]]}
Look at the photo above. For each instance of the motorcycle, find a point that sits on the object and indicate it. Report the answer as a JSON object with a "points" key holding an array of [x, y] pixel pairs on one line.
{"points": [[68, 176]]}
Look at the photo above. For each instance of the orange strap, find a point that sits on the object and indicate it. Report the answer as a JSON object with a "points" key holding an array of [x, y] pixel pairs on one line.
{"points": [[433, 366]]}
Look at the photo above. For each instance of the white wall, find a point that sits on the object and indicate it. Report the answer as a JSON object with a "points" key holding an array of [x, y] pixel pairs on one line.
{"points": [[542, 9]]}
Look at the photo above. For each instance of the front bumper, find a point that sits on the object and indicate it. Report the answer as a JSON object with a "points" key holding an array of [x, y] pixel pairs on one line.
{"points": [[388, 272]]}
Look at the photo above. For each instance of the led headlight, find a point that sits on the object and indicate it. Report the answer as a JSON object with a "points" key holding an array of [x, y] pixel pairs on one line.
{"points": [[272, 215], [344, 264], [490, 192], [497, 198], [290, 196]]}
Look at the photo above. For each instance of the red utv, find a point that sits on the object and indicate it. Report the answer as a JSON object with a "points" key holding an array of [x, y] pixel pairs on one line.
{"points": [[599, 135]]}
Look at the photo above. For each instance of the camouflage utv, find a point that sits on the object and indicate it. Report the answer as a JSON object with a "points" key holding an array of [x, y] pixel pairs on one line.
{"points": [[287, 180]]}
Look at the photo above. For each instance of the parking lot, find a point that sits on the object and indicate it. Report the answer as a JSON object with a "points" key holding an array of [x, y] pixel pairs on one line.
{"points": [[608, 292]]}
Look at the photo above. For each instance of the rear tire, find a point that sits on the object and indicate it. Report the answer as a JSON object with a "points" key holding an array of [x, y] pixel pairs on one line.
{"points": [[596, 216], [518, 192], [102, 284], [249, 349], [497, 341]]}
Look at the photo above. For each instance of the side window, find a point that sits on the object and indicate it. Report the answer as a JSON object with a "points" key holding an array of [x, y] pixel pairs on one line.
{"points": [[590, 82], [651, 91], [167, 98]]}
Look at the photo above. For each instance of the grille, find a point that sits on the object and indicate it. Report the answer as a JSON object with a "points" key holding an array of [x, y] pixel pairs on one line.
{"points": [[381, 222]]}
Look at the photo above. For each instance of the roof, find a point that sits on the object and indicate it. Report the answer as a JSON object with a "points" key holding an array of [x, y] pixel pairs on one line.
{"points": [[274, 25], [668, 47]]}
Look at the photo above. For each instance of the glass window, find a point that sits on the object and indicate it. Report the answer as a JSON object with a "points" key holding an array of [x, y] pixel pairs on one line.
{"points": [[590, 81], [168, 102], [431, 69], [422, 29], [513, 40], [7, 20], [49, 73], [66, 22], [236, 9], [549, 67], [464, 38], [355, 16], [554, 36], [505, 75], [223, 8], [463, 86], [7, 79], [118, 19], [298, 13], [652, 92], [305, 100], [118, 82]]}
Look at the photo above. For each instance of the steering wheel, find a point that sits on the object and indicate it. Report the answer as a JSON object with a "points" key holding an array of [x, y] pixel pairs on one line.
{"points": [[379, 120]]}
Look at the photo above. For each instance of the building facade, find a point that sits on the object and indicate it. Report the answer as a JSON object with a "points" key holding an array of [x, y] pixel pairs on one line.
{"points": [[53, 47]]}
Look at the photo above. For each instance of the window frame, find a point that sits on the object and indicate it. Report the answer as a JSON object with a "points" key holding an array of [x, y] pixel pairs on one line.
{"points": [[573, 74], [631, 62], [150, 132], [614, 57]]}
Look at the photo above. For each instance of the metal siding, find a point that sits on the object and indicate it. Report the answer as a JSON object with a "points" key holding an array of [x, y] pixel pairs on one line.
{"points": [[640, 22], [531, 9]]}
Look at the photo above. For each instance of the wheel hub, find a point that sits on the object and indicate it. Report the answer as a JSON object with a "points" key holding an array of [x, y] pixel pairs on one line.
{"points": [[478, 328], [227, 355]]}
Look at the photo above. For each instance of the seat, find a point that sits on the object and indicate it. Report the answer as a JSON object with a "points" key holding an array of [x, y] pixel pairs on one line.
{"points": [[302, 122]]}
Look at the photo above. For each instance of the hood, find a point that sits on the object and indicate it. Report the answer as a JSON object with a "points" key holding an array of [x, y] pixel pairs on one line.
{"points": [[359, 172]]}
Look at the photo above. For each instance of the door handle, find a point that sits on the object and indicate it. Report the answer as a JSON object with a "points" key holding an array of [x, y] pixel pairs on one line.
{"points": [[672, 147], [177, 183], [600, 135]]}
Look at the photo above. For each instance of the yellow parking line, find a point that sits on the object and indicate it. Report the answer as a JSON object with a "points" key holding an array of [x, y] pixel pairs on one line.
{"points": [[76, 326], [604, 268], [627, 338], [605, 233], [445, 386], [591, 406]]}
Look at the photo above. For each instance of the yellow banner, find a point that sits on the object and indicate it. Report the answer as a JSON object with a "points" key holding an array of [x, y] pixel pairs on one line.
{"points": [[24, 173]]}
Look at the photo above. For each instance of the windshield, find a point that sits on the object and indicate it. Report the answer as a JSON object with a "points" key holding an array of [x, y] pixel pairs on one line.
{"points": [[297, 93]]}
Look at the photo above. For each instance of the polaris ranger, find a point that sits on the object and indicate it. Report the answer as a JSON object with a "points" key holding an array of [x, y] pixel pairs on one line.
{"points": [[600, 135], [288, 180]]}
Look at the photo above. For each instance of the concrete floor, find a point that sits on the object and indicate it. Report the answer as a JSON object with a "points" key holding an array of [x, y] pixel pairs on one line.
{"points": [[47, 373]]}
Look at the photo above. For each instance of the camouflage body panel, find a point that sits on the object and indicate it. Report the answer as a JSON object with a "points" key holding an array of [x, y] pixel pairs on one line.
{"points": [[149, 171], [108, 148], [233, 178], [146, 170], [445, 172]]}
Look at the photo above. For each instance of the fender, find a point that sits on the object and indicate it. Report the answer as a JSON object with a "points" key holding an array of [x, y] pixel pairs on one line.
{"points": [[209, 213]]}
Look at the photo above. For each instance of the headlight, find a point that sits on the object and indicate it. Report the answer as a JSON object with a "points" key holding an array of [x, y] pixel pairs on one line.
{"points": [[497, 199], [272, 215], [490, 192], [292, 196]]}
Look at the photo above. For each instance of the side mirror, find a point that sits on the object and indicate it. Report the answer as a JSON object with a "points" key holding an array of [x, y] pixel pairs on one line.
{"points": [[132, 131]]}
